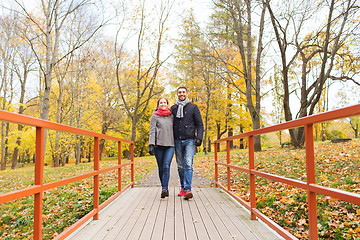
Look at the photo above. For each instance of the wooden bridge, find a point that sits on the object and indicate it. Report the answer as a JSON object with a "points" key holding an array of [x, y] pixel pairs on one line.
{"points": [[140, 213], [213, 213]]}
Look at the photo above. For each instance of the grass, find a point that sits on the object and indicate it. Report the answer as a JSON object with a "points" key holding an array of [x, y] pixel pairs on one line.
{"points": [[64, 205], [337, 166]]}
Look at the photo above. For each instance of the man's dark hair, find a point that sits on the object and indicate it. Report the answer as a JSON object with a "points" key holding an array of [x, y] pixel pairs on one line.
{"points": [[181, 88]]}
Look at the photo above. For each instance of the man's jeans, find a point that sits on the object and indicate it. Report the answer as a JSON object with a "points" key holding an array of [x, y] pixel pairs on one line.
{"points": [[184, 152], [163, 157]]}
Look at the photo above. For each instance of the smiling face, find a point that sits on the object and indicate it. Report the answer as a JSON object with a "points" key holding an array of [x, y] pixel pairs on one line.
{"points": [[182, 94], [162, 103]]}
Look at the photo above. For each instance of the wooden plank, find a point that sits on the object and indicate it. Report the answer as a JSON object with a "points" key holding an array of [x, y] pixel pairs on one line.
{"points": [[136, 224], [158, 229], [126, 221], [169, 227], [188, 220], [241, 216], [211, 230], [199, 224], [218, 204], [178, 217], [90, 229], [219, 225], [149, 224], [119, 220]]}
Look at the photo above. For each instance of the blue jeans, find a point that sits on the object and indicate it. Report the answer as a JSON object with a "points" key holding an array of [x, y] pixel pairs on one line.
{"points": [[163, 157], [184, 151]]}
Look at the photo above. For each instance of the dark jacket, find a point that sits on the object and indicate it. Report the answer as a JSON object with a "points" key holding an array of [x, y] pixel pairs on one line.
{"points": [[191, 125]]}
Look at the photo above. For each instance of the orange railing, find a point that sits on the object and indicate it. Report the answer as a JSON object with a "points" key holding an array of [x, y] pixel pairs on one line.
{"points": [[311, 186], [39, 188]]}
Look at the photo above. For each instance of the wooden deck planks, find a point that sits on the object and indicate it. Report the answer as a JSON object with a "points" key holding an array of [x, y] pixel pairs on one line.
{"points": [[188, 219], [169, 230], [179, 226], [235, 230], [213, 214], [242, 219], [140, 213], [128, 219], [106, 215], [135, 230], [148, 227], [200, 228]]}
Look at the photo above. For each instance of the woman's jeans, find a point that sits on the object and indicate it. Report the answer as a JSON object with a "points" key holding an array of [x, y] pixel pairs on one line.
{"points": [[163, 157], [184, 151]]}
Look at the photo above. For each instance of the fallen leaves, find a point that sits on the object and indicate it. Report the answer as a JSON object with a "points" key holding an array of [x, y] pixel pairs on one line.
{"points": [[337, 166]]}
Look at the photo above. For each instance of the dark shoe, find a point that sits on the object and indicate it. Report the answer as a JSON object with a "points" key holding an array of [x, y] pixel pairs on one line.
{"points": [[164, 193], [188, 195], [181, 193]]}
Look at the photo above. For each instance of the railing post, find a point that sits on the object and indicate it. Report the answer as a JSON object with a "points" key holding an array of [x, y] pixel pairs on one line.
{"points": [[252, 176], [132, 164], [119, 162], [96, 177], [310, 172], [216, 165], [39, 173], [228, 162]]}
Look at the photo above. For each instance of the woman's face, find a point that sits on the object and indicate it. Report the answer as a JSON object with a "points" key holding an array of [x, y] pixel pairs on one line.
{"points": [[162, 103]]}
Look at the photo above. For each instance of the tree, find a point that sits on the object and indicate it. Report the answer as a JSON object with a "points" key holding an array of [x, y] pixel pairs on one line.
{"points": [[137, 79], [47, 30], [7, 52], [241, 34], [319, 48], [23, 64]]}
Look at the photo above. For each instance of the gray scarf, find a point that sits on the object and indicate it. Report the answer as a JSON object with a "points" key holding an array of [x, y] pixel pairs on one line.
{"points": [[181, 104]]}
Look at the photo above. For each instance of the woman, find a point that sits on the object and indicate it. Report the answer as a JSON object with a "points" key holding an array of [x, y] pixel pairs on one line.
{"points": [[161, 141]]}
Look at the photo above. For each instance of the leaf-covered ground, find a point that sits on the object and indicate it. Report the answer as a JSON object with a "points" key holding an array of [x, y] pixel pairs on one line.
{"points": [[337, 166], [64, 205]]}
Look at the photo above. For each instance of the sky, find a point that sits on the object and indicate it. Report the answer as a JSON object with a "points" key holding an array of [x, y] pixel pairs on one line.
{"points": [[202, 9]]}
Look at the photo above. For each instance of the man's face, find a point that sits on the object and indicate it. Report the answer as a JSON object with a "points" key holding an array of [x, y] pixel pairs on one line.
{"points": [[182, 94]]}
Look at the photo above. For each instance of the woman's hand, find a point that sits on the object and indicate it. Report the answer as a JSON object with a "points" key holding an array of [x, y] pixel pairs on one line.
{"points": [[151, 149]]}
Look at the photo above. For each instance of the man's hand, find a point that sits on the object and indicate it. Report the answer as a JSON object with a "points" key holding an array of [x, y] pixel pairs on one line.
{"points": [[151, 149], [198, 142]]}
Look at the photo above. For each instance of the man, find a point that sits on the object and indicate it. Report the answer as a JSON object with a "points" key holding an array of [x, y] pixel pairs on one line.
{"points": [[188, 132]]}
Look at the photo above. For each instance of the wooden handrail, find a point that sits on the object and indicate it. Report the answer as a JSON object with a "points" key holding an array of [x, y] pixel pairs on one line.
{"points": [[317, 118], [39, 187], [310, 185]]}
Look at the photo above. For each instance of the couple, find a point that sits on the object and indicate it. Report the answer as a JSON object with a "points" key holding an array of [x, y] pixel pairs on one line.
{"points": [[180, 127]]}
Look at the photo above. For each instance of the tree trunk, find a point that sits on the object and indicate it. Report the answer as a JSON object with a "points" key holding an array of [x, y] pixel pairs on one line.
{"points": [[101, 147], [229, 111], [89, 155], [7, 141], [78, 151], [57, 150], [21, 111], [280, 138], [16, 150], [206, 122], [209, 145], [356, 131], [3, 157]]}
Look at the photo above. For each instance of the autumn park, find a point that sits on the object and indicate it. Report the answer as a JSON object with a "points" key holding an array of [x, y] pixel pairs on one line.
{"points": [[101, 66]]}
